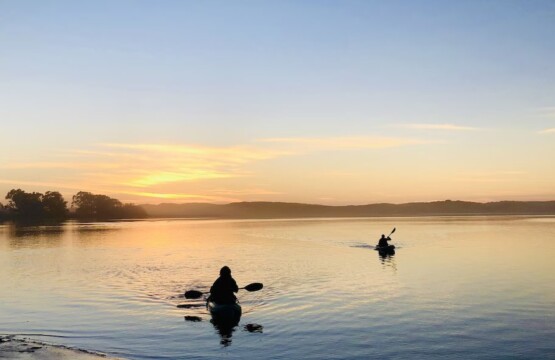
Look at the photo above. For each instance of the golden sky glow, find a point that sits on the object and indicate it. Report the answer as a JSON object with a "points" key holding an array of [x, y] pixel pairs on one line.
{"points": [[119, 168], [357, 169]]}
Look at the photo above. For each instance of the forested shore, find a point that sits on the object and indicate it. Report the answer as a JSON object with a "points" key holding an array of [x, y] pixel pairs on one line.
{"points": [[51, 206]]}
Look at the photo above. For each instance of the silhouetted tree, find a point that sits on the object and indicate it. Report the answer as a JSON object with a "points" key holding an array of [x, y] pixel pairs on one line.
{"points": [[90, 205], [108, 207], [23, 204], [93, 206], [54, 205], [84, 204], [3, 212]]}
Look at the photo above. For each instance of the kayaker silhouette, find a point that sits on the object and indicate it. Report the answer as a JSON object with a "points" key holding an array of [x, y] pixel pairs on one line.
{"points": [[223, 289], [383, 247], [383, 241]]}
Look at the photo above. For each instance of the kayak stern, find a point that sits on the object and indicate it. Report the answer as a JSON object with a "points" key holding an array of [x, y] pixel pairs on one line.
{"points": [[227, 314]]}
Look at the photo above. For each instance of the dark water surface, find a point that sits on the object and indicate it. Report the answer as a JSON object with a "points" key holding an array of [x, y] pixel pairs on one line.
{"points": [[457, 287]]}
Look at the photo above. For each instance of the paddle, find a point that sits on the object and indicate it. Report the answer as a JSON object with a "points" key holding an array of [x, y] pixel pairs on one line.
{"points": [[195, 294], [392, 231]]}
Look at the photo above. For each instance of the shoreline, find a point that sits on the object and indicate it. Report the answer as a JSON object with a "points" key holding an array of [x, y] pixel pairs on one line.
{"points": [[225, 218], [21, 348]]}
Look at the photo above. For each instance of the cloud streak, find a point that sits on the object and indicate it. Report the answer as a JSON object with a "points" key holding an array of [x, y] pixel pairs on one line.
{"points": [[119, 168], [546, 112], [547, 131], [491, 176], [445, 127], [179, 196], [59, 165], [182, 171], [232, 154], [341, 143]]}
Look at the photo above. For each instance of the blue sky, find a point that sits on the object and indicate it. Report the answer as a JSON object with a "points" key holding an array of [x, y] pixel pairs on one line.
{"points": [[81, 76]]}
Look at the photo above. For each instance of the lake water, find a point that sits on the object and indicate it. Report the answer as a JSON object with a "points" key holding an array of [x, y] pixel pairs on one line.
{"points": [[457, 287]]}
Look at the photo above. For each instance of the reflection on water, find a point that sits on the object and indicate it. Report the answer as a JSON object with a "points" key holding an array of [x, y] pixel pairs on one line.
{"points": [[115, 287], [387, 258], [22, 235], [32, 235], [225, 331], [33, 231]]}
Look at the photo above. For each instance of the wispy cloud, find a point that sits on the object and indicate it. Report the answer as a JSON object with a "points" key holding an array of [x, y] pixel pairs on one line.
{"points": [[338, 143], [162, 164], [58, 184], [491, 176], [233, 154], [164, 177], [179, 171], [183, 197], [446, 127], [547, 131], [59, 165], [51, 184], [172, 163], [546, 112], [147, 170], [240, 192], [169, 163]]}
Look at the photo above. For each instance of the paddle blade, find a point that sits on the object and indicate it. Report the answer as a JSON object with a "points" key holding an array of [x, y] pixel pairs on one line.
{"points": [[192, 318], [254, 287], [392, 231], [192, 294]]}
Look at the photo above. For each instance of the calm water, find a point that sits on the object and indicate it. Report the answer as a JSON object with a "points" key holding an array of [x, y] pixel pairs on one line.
{"points": [[457, 288]]}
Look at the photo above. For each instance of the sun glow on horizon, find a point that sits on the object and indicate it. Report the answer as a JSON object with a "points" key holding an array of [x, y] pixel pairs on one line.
{"points": [[180, 172]]}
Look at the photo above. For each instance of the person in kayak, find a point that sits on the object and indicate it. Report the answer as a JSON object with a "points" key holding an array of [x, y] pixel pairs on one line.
{"points": [[223, 289], [383, 241]]}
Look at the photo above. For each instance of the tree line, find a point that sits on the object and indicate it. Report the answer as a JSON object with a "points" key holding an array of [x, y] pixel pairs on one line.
{"points": [[51, 205]]}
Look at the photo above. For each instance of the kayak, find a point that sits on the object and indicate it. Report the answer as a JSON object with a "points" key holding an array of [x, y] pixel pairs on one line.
{"points": [[228, 314], [388, 248]]}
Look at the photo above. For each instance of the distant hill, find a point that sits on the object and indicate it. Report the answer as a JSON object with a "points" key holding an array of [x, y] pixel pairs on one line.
{"points": [[274, 210]]}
